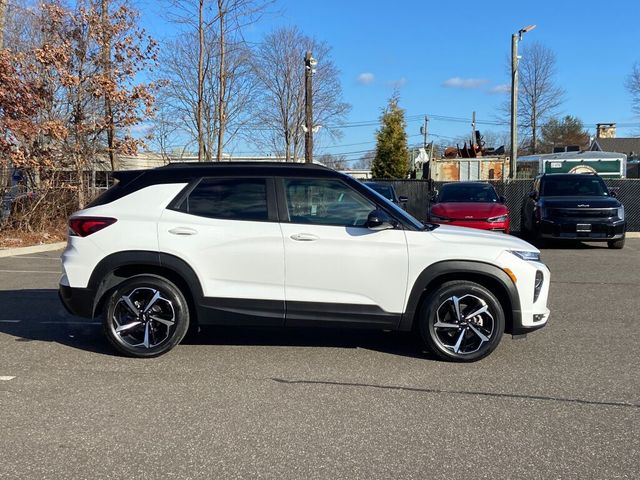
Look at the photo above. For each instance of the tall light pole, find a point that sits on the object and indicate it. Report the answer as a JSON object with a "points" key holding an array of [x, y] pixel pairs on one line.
{"points": [[515, 38], [309, 69]]}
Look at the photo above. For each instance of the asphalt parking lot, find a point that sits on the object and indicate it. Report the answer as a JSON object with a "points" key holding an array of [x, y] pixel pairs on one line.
{"points": [[255, 403]]}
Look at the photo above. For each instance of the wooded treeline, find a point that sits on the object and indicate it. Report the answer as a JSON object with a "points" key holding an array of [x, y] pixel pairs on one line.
{"points": [[82, 82]]}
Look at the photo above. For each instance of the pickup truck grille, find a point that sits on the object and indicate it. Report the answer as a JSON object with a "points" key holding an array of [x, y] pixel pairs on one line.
{"points": [[582, 213]]}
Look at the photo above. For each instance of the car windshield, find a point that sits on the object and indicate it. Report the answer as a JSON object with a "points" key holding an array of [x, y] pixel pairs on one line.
{"points": [[385, 190], [578, 185], [468, 192], [400, 212]]}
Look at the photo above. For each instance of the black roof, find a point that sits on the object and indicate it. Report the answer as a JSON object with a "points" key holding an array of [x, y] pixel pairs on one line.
{"points": [[238, 165], [181, 172], [131, 180]]}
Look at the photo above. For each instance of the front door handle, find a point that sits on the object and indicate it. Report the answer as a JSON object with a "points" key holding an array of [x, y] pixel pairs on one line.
{"points": [[304, 237], [183, 231]]}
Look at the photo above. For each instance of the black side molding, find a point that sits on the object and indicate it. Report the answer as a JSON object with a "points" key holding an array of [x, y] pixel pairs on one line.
{"points": [[461, 268]]}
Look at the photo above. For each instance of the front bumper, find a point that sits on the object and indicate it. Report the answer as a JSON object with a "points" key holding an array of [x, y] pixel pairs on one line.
{"points": [[77, 301], [529, 321], [603, 231]]}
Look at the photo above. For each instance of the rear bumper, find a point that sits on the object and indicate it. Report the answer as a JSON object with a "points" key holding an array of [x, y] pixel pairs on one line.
{"points": [[600, 231], [77, 301]]}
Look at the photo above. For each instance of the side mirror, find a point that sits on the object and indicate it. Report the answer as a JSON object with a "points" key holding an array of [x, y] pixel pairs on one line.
{"points": [[613, 192], [503, 199], [433, 196], [403, 199], [379, 220], [533, 194]]}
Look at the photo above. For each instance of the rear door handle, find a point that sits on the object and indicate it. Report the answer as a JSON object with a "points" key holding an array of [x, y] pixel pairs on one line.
{"points": [[183, 231], [304, 237]]}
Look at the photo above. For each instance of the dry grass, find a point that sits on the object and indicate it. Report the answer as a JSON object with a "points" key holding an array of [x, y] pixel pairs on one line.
{"points": [[14, 238]]}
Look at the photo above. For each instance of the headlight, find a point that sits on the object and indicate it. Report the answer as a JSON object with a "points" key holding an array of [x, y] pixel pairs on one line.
{"points": [[435, 218], [526, 255], [501, 218], [621, 212]]}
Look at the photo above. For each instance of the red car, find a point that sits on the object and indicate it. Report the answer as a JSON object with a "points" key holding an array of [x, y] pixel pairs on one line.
{"points": [[470, 204]]}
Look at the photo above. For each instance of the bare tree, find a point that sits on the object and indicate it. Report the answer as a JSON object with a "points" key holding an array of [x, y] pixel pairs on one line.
{"points": [[280, 71], [633, 86], [219, 23], [538, 95], [197, 15], [179, 98], [336, 161]]}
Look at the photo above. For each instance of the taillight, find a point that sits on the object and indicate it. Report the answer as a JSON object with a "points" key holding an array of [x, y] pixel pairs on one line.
{"points": [[85, 226]]}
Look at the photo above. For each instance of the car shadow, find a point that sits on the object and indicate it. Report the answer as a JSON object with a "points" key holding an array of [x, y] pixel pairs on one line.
{"points": [[561, 244], [37, 315]]}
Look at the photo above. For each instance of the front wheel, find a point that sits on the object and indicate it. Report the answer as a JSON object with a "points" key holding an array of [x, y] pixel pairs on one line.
{"points": [[146, 316], [461, 321], [616, 244]]}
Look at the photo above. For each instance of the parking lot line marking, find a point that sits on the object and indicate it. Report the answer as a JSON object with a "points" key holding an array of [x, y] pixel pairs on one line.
{"points": [[6, 378], [10, 321], [30, 271]]}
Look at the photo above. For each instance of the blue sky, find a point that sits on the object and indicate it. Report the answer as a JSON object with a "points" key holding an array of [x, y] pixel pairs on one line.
{"points": [[420, 45]]}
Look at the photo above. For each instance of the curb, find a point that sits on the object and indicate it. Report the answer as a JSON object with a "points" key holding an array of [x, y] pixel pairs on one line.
{"points": [[10, 252], [632, 234]]}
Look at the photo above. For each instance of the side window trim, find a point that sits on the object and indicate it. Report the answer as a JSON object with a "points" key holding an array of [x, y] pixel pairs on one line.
{"points": [[181, 198]]}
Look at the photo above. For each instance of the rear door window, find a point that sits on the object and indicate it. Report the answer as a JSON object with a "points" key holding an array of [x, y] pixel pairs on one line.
{"points": [[229, 199]]}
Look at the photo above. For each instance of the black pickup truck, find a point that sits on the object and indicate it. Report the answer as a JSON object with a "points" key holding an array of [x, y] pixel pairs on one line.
{"points": [[574, 207]]}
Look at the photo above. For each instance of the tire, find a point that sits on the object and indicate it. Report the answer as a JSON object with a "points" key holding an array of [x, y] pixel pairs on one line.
{"points": [[153, 312], [456, 337], [616, 244], [524, 231]]}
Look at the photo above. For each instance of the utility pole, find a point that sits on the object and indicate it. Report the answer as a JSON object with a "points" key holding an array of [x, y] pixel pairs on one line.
{"points": [[309, 64], [425, 132], [514, 106], [515, 38], [473, 129]]}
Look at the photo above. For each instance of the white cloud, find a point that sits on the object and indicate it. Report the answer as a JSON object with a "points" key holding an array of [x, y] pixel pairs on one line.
{"points": [[499, 89], [467, 83], [399, 83], [366, 78]]}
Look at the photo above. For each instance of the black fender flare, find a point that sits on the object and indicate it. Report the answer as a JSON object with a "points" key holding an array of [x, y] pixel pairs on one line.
{"points": [[102, 278], [460, 268]]}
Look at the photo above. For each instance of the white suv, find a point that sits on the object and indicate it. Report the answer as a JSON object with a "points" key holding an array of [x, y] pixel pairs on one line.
{"points": [[289, 245]]}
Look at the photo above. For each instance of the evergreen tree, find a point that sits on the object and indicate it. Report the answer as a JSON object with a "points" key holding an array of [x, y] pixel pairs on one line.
{"points": [[392, 152], [561, 133]]}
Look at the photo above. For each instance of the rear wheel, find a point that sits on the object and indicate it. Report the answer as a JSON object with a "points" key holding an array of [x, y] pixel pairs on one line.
{"points": [[616, 244], [146, 316], [461, 321]]}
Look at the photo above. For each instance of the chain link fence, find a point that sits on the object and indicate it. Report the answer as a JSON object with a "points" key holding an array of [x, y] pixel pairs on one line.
{"points": [[419, 192]]}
